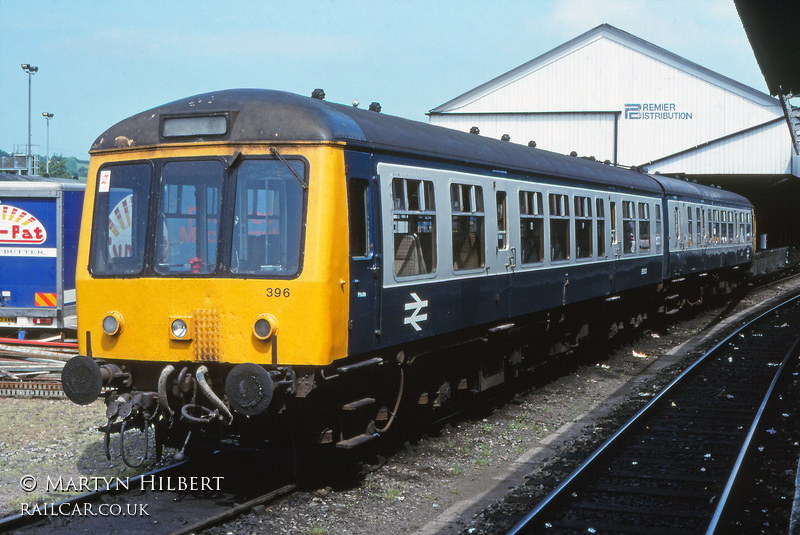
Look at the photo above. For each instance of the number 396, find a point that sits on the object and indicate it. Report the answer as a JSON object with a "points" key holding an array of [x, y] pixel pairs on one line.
{"points": [[277, 292]]}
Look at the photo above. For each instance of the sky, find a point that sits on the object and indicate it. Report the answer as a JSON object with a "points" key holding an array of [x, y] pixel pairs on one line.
{"points": [[102, 61]]}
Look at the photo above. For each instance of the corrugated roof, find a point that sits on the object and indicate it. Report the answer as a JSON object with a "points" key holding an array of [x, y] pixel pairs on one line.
{"points": [[9, 177]]}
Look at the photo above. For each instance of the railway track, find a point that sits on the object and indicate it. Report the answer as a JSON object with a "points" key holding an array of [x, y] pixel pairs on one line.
{"points": [[178, 499], [679, 465], [33, 368]]}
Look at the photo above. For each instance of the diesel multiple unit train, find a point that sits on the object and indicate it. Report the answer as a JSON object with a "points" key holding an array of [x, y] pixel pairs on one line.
{"points": [[255, 264]]}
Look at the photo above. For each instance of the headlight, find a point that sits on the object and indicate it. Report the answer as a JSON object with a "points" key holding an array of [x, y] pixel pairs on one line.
{"points": [[112, 324], [179, 328], [265, 326]]}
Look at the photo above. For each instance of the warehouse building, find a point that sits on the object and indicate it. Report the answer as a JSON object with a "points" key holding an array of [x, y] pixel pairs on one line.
{"points": [[617, 98]]}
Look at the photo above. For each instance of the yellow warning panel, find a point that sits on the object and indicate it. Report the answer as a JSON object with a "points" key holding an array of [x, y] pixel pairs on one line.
{"points": [[46, 300]]}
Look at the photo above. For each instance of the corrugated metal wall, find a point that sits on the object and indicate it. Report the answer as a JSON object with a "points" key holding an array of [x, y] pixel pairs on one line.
{"points": [[662, 106], [588, 134], [751, 153]]}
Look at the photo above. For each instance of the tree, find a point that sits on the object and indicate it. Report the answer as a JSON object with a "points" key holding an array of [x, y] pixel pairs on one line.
{"points": [[58, 167]]}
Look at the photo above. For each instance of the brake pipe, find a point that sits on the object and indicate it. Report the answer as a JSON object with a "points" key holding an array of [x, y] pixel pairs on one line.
{"points": [[200, 374], [163, 380]]}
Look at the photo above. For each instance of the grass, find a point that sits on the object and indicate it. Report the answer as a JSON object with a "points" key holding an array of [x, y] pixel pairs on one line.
{"points": [[392, 493], [520, 422]]}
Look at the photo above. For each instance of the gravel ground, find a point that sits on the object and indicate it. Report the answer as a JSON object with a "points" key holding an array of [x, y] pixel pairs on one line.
{"points": [[49, 438], [451, 480]]}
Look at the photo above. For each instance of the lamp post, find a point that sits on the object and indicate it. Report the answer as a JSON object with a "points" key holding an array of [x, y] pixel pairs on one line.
{"points": [[31, 70], [47, 117]]}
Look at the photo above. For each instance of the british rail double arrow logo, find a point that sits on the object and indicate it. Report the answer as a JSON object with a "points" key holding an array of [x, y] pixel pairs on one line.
{"points": [[416, 305]]}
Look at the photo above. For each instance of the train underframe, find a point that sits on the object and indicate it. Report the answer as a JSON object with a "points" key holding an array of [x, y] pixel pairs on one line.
{"points": [[192, 404]]}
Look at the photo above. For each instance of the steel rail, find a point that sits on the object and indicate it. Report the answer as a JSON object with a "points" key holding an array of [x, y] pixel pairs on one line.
{"points": [[236, 510], [718, 512], [31, 389], [570, 480]]}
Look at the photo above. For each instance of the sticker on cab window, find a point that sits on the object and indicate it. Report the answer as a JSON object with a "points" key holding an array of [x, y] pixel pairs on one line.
{"points": [[105, 181]]}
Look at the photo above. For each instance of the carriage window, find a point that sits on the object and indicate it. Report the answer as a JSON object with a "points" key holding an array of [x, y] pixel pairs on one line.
{"points": [[502, 223], [268, 219], [677, 223], [738, 222], [358, 209], [715, 234], [748, 228], [601, 229], [414, 227], [531, 213], [740, 236], [724, 227], [120, 220], [468, 231], [731, 227], [189, 217], [658, 228], [583, 227], [690, 230], [697, 212], [644, 226], [612, 206], [628, 227], [559, 227]]}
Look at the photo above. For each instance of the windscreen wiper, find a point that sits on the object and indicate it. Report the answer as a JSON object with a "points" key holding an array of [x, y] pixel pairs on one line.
{"points": [[277, 154]]}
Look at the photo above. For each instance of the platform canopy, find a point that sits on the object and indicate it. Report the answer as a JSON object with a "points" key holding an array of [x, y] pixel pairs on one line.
{"points": [[773, 30]]}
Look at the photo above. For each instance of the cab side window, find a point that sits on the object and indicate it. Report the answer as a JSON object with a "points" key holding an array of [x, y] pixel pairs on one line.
{"points": [[358, 210]]}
